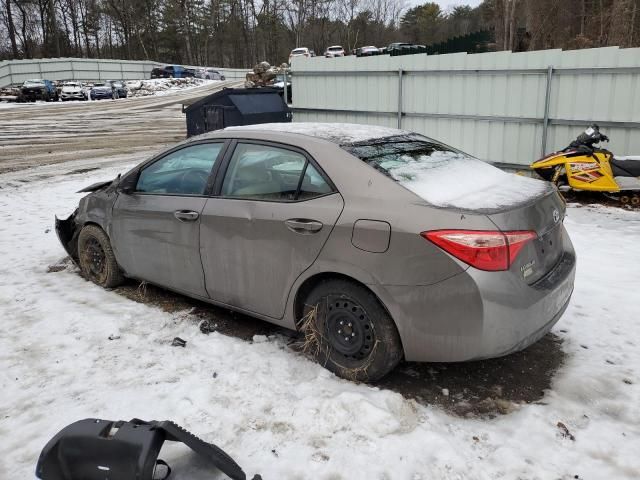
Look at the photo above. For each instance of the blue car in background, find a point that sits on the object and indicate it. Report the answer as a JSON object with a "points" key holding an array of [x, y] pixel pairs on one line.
{"points": [[102, 90], [172, 71]]}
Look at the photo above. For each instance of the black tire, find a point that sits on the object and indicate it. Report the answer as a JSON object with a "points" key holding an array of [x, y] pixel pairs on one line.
{"points": [[96, 258], [349, 332]]}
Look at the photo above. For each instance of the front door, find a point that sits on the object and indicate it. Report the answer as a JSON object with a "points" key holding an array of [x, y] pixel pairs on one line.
{"points": [[272, 216], [155, 230]]}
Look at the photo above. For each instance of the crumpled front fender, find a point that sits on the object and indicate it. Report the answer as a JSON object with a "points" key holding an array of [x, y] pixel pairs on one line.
{"points": [[67, 231]]}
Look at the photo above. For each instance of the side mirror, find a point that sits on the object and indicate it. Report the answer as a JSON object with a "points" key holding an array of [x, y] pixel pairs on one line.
{"points": [[127, 185]]}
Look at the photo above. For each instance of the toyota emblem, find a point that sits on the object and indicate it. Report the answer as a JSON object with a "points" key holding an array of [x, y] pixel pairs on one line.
{"points": [[556, 215]]}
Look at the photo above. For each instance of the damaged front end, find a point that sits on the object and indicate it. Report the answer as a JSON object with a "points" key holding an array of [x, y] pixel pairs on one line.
{"points": [[68, 231], [93, 208]]}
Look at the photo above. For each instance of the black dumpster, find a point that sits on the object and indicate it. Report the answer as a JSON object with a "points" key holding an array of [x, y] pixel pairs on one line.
{"points": [[236, 106]]}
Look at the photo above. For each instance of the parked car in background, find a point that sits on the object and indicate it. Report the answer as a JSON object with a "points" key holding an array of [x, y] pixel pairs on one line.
{"points": [[73, 91], [401, 46], [361, 237], [397, 46], [334, 51], [210, 74], [119, 87], [190, 72], [299, 52], [367, 51], [102, 90], [172, 71], [38, 89]]}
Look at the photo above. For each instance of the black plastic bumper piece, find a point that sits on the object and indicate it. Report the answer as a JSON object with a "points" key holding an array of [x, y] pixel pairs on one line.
{"points": [[94, 449], [67, 232]]}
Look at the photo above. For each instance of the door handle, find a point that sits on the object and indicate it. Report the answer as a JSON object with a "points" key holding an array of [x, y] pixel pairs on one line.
{"points": [[303, 225], [186, 215]]}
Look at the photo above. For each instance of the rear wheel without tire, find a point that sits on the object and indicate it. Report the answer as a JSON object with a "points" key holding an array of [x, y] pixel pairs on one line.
{"points": [[349, 332], [97, 261]]}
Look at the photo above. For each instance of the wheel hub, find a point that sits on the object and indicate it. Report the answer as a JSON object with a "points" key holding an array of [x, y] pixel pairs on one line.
{"points": [[94, 258], [349, 329]]}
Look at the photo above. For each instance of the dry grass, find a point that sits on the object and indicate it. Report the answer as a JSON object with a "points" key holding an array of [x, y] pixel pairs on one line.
{"points": [[313, 342]]}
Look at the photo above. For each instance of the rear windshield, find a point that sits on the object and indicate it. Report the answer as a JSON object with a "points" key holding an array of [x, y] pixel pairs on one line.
{"points": [[335, 48], [444, 176], [33, 83], [392, 155], [299, 50]]}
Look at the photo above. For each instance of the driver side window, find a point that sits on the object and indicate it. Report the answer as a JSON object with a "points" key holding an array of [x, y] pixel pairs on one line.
{"points": [[183, 172]]}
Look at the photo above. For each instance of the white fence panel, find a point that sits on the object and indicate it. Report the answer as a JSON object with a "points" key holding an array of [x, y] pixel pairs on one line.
{"points": [[17, 71], [500, 106]]}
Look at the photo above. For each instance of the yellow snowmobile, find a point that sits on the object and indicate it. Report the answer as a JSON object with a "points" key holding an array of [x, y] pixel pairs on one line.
{"points": [[584, 167]]}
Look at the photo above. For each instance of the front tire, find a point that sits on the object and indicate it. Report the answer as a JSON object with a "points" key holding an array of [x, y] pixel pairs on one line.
{"points": [[96, 258], [349, 332]]}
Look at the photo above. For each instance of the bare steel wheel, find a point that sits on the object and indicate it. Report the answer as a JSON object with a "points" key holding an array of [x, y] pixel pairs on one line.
{"points": [[349, 332], [96, 258], [348, 328]]}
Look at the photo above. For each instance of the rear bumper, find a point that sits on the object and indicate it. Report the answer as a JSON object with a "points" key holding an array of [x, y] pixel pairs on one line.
{"points": [[476, 315]]}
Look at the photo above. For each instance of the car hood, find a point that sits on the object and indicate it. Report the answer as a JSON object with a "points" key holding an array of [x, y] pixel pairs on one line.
{"points": [[101, 89], [71, 89]]}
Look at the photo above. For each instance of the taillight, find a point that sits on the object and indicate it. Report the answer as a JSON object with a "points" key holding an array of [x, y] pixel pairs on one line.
{"points": [[485, 250]]}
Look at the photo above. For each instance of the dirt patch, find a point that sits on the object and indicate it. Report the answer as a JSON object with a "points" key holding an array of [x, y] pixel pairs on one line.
{"points": [[209, 318], [482, 388]]}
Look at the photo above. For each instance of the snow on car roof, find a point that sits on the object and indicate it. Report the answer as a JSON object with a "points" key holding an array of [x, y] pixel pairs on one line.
{"points": [[340, 133]]}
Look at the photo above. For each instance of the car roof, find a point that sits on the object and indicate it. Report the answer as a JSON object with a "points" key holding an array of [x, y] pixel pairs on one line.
{"points": [[338, 133]]}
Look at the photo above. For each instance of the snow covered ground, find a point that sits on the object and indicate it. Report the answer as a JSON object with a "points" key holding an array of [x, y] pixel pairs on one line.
{"points": [[274, 411]]}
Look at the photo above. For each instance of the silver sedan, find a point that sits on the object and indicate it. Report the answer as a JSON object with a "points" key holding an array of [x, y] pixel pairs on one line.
{"points": [[378, 244]]}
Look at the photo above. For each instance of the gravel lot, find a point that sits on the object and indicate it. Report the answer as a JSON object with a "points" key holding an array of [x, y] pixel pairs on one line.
{"points": [[48, 133]]}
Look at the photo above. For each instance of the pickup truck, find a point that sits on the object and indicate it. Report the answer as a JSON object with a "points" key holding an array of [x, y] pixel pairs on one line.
{"points": [[38, 89]]}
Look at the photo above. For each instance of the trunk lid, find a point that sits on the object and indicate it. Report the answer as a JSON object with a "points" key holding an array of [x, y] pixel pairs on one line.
{"points": [[544, 215]]}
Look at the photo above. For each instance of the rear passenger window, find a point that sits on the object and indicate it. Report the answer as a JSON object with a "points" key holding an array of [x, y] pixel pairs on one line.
{"points": [[263, 172]]}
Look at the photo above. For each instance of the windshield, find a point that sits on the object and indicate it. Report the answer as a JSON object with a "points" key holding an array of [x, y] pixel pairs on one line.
{"points": [[334, 48], [30, 83], [299, 50], [99, 85]]}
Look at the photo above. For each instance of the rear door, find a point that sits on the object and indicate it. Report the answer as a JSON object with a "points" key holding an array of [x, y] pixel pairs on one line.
{"points": [[272, 214], [155, 229]]}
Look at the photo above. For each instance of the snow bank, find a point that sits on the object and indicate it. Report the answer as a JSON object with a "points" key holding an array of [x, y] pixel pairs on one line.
{"points": [[341, 133], [449, 179], [163, 86]]}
